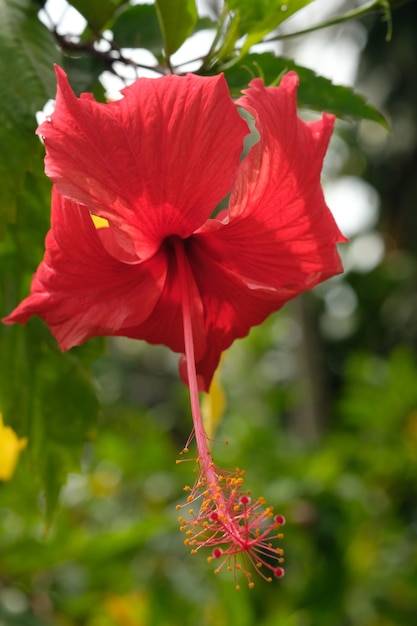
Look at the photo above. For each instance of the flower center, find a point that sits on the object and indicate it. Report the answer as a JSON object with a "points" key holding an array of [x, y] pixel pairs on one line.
{"points": [[239, 531]]}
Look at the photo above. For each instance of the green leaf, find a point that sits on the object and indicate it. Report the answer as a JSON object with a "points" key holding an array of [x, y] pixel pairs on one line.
{"points": [[13, 168], [177, 19], [27, 55], [47, 396], [97, 12], [138, 27], [315, 92], [50, 398], [257, 19], [66, 414], [83, 73], [384, 400]]}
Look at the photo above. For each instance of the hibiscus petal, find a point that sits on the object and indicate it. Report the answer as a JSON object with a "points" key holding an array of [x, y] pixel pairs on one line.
{"points": [[279, 238], [280, 233], [165, 325], [155, 163], [80, 290], [231, 305]]}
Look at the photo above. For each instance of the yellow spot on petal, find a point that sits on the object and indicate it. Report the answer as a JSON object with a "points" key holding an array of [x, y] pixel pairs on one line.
{"points": [[99, 222], [10, 448]]}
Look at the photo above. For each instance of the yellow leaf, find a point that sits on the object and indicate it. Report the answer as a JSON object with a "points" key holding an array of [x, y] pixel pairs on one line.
{"points": [[127, 610], [213, 406], [10, 448]]}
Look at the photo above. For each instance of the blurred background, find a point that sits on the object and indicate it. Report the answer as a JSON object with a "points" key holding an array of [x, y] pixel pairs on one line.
{"points": [[321, 412]]}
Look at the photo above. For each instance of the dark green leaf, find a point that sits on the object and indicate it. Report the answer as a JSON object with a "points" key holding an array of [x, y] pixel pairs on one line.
{"points": [[83, 72], [59, 403], [47, 396], [177, 19], [27, 55], [18, 145], [97, 12], [66, 410], [138, 27], [315, 92]]}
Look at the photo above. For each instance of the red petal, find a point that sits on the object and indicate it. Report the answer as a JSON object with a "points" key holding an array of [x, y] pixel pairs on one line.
{"points": [[280, 232], [231, 306], [165, 325], [280, 239], [154, 163], [79, 289]]}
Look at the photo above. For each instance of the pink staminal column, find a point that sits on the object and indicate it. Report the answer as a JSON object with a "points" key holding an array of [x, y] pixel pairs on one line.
{"points": [[240, 532]]}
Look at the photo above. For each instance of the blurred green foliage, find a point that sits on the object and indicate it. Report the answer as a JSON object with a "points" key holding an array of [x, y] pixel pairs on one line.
{"points": [[324, 421]]}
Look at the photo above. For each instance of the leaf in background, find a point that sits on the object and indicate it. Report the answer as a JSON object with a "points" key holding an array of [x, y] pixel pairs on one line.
{"points": [[138, 27], [315, 92], [66, 413], [177, 19], [46, 396], [27, 55], [83, 74], [97, 12], [52, 397], [385, 399], [257, 19]]}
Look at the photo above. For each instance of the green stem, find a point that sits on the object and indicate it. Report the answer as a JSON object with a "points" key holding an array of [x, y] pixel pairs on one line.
{"points": [[349, 15]]}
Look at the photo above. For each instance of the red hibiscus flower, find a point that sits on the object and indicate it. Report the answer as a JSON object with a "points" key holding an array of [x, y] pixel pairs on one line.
{"points": [[160, 265]]}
